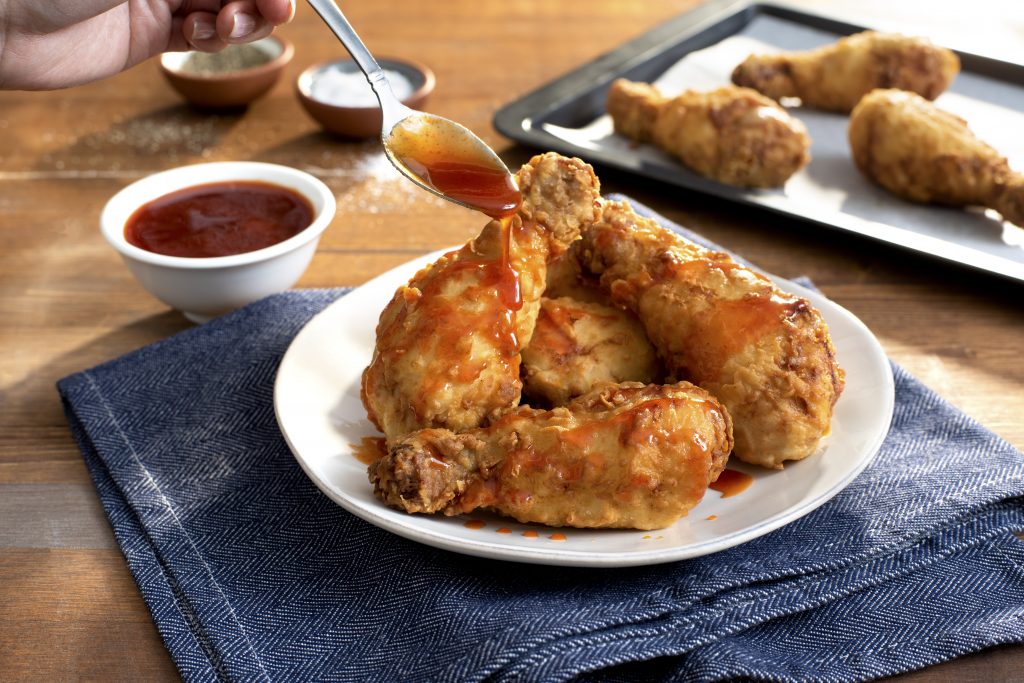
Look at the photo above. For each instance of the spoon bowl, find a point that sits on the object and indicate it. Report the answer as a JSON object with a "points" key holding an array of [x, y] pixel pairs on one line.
{"points": [[447, 159]]}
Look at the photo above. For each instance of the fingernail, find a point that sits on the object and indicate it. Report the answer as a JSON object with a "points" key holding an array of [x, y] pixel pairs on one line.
{"points": [[203, 29], [291, 14], [243, 26]]}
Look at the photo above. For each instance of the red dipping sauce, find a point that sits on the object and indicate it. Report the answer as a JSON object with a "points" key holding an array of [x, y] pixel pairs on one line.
{"points": [[219, 219]]}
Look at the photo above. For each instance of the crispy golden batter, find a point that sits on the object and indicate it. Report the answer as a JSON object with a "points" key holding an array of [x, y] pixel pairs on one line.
{"points": [[577, 346], [835, 77], [733, 135], [624, 456], [919, 152], [448, 343], [765, 354]]}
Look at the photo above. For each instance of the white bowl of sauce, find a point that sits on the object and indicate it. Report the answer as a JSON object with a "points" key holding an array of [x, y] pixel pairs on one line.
{"points": [[209, 238]]}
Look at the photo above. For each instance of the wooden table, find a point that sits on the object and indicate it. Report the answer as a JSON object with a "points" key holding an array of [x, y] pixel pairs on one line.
{"points": [[69, 609]]}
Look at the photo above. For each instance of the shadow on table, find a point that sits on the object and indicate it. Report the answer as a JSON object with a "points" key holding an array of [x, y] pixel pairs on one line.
{"points": [[33, 402]]}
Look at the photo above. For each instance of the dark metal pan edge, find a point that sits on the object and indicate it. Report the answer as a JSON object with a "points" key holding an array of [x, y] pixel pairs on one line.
{"points": [[519, 119]]}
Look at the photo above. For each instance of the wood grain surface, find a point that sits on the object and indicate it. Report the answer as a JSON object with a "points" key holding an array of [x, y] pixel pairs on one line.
{"points": [[69, 609]]}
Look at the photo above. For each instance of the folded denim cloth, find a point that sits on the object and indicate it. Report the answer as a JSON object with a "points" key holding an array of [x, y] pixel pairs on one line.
{"points": [[252, 574]]}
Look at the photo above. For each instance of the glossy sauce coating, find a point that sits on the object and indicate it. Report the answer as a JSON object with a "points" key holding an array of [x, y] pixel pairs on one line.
{"points": [[219, 219], [445, 318], [723, 330], [554, 329], [578, 459], [436, 152]]}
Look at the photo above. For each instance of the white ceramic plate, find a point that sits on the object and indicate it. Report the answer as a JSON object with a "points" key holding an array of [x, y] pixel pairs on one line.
{"points": [[316, 398]]}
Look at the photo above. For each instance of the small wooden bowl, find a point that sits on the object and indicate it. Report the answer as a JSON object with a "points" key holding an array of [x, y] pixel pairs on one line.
{"points": [[362, 121], [227, 89]]}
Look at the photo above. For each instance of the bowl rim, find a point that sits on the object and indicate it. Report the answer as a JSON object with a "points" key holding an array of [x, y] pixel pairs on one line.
{"points": [[115, 215], [429, 81], [278, 62]]}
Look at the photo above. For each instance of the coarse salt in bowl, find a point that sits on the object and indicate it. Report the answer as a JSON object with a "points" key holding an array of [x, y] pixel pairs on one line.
{"points": [[338, 97], [205, 287]]}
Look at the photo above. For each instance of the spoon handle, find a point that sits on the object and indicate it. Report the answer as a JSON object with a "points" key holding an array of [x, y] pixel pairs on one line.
{"points": [[337, 22]]}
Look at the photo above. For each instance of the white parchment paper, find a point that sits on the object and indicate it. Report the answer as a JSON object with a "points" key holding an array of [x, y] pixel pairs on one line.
{"points": [[830, 189]]}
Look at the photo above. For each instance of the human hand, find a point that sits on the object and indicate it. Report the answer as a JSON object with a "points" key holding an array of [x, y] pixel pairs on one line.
{"points": [[60, 43]]}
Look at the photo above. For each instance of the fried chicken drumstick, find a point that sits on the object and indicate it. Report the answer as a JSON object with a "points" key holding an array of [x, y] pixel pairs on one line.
{"points": [[578, 345], [835, 77], [622, 456], [919, 152], [448, 343], [765, 354], [733, 135]]}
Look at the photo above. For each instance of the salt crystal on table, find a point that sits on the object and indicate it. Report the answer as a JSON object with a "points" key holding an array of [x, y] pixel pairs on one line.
{"points": [[343, 88]]}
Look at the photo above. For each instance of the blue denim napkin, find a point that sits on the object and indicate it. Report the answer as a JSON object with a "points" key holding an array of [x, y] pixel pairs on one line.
{"points": [[252, 574]]}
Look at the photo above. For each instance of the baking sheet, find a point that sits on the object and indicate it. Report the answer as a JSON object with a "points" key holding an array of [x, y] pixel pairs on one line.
{"points": [[830, 190]]}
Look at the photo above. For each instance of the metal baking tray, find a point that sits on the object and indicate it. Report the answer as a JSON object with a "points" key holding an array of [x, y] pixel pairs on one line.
{"points": [[692, 51]]}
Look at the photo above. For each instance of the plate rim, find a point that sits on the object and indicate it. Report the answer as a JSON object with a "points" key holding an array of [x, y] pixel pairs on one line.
{"points": [[583, 558]]}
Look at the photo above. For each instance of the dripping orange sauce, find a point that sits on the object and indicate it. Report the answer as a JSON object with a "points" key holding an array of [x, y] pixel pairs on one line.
{"points": [[438, 154], [731, 483]]}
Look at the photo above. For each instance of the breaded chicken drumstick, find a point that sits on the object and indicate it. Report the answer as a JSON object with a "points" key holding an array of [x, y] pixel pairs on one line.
{"points": [[733, 135], [919, 152], [836, 76], [578, 345], [765, 354], [622, 456], [448, 343]]}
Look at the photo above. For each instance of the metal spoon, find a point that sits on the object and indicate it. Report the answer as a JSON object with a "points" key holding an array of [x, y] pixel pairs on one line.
{"points": [[404, 130]]}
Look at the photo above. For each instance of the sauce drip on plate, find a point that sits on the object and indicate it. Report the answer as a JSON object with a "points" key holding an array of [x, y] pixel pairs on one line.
{"points": [[219, 219], [731, 483]]}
